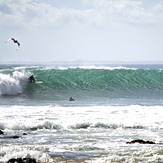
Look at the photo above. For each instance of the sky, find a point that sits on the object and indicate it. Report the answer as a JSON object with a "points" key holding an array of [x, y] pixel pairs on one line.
{"points": [[89, 30]]}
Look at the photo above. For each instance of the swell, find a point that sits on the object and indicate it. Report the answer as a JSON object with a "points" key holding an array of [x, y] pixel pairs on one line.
{"points": [[89, 79], [58, 82]]}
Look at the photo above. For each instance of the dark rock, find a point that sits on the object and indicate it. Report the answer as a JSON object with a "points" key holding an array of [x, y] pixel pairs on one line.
{"points": [[12, 160], [25, 134], [10, 137], [14, 137], [22, 160], [29, 160], [19, 160], [71, 99], [1, 132], [140, 141]]}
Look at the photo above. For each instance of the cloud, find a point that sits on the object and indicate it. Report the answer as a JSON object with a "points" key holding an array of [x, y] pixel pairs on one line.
{"points": [[125, 11], [34, 14]]}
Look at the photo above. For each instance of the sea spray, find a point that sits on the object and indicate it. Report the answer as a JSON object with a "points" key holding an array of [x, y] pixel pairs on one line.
{"points": [[13, 84]]}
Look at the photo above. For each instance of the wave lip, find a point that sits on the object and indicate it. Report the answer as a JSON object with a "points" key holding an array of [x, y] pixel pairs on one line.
{"points": [[13, 84]]}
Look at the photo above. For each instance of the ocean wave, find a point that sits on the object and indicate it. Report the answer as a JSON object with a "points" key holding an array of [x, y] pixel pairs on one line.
{"points": [[62, 82], [48, 125], [13, 84]]}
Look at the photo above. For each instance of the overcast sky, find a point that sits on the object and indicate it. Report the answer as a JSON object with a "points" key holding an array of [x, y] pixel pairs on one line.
{"points": [[67, 30]]}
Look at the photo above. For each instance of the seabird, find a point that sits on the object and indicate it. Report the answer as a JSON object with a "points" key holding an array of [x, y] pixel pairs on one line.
{"points": [[15, 41]]}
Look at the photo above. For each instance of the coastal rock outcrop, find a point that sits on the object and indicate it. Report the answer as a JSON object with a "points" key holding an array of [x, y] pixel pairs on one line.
{"points": [[1, 132], [140, 141], [7, 136], [22, 160]]}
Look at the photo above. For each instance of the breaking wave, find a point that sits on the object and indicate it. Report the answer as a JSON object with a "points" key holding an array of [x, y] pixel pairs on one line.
{"points": [[13, 84], [82, 82]]}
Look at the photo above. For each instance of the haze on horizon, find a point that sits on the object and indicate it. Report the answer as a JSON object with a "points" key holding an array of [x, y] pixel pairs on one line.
{"points": [[88, 30]]}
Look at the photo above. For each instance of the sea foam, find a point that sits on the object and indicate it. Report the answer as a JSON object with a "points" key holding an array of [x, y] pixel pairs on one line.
{"points": [[13, 84]]}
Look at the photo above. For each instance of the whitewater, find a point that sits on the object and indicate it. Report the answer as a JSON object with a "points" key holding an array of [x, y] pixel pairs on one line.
{"points": [[114, 104]]}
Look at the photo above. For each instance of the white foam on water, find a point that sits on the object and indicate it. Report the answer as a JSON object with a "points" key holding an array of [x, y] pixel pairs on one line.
{"points": [[13, 84], [91, 67], [95, 134], [24, 151], [52, 117]]}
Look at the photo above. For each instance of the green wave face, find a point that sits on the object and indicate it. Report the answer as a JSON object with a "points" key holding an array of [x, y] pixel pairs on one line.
{"points": [[82, 83], [98, 82]]}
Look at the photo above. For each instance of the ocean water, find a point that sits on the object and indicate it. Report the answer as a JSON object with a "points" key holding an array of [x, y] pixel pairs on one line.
{"points": [[113, 104]]}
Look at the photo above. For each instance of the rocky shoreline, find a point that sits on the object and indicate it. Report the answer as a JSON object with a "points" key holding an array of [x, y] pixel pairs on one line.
{"points": [[141, 141], [16, 160], [33, 160], [4, 136]]}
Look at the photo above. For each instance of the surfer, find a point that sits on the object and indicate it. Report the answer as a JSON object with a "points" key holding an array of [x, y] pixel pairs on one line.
{"points": [[71, 99], [31, 79]]}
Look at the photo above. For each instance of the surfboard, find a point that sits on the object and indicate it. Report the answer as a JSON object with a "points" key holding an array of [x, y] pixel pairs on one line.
{"points": [[39, 82]]}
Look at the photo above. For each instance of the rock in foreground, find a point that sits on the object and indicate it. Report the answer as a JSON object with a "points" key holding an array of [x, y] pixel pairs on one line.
{"points": [[140, 141], [22, 160]]}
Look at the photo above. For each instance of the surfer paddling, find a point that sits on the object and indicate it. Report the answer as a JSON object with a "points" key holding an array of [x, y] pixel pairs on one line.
{"points": [[71, 99], [32, 79]]}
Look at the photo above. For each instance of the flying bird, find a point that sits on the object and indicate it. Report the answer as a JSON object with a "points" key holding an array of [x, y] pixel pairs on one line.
{"points": [[15, 41]]}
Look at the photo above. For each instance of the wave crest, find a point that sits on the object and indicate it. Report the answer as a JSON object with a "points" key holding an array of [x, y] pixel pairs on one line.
{"points": [[83, 82], [13, 84]]}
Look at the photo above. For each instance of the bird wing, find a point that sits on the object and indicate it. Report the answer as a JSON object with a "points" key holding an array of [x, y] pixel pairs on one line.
{"points": [[17, 43]]}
